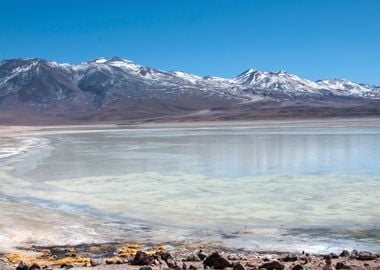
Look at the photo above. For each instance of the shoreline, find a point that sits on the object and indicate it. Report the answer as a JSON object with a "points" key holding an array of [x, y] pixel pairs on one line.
{"points": [[165, 256], [337, 121]]}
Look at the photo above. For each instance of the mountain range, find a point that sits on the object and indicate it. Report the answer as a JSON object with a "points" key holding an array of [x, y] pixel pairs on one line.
{"points": [[37, 91]]}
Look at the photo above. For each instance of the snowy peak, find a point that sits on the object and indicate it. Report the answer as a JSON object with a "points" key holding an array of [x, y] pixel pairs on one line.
{"points": [[275, 81], [117, 62], [344, 87], [186, 76]]}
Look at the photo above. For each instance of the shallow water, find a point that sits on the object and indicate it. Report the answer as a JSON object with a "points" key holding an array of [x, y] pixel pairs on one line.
{"points": [[296, 187]]}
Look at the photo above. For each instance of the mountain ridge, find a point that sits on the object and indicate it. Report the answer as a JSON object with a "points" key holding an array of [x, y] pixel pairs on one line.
{"points": [[116, 89]]}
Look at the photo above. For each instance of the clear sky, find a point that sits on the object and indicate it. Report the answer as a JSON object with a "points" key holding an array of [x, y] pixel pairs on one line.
{"points": [[312, 38]]}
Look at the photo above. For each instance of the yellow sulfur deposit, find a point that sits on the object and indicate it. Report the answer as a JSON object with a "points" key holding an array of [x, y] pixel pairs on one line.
{"points": [[129, 250], [45, 259], [113, 260]]}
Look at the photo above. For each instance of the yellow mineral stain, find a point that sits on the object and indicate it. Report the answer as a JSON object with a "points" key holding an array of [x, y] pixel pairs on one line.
{"points": [[129, 250], [45, 259], [16, 258], [113, 260]]}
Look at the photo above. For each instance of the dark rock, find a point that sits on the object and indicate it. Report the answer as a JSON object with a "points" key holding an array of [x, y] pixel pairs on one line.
{"points": [[290, 258], [171, 263], [35, 266], [22, 266], [354, 254], [366, 256], [184, 266], [164, 255], [333, 255], [239, 266], [202, 255], [341, 265], [145, 268], [345, 253], [273, 265], [192, 267], [328, 259], [217, 261], [298, 267], [142, 258], [66, 266]]}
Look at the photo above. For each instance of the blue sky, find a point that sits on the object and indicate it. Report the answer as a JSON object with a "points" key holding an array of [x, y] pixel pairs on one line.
{"points": [[314, 39]]}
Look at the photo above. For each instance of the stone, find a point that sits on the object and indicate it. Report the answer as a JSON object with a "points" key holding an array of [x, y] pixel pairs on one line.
{"points": [[217, 261], [366, 256], [202, 255], [171, 263], [354, 254], [273, 265], [341, 265], [333, 255], [298, 267], [239, 266], [35, 266], [22, 266], [142, 258], [344, 253], [164, 255], [290, 258], [67, 266], [184, 266]]}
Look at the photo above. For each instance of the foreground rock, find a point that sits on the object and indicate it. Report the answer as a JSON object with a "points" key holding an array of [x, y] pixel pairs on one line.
{"points": [[217, 261], [273, 265], [366, 256], [134, 257], [142, 258]]}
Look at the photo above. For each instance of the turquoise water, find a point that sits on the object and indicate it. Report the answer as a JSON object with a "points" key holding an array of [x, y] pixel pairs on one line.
{"points": [[295, 187]]}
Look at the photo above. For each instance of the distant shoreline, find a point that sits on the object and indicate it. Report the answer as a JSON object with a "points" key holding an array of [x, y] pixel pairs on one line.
{"points": [[17, 130]]}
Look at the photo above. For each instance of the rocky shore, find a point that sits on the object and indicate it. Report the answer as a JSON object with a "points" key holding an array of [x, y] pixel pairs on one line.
{"points": [[166, 257]]}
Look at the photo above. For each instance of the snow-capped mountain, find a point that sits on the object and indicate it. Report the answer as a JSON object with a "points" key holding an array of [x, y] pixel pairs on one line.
{"points": [[120, 89], [348, 88], [291, 84], [276, 81]]}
